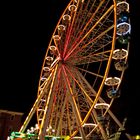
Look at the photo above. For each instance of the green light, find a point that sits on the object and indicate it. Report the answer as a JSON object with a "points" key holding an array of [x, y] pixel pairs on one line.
{"points": [[34, 136]]}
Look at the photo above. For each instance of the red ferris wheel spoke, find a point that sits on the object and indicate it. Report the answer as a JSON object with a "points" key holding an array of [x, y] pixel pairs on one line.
{"points": [[74, 47], [77, 113], [87, 23], [68, 35]]}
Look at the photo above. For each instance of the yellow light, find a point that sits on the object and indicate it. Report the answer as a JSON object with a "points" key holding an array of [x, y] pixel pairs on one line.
{"points": [[67, 138], [138, 137]]}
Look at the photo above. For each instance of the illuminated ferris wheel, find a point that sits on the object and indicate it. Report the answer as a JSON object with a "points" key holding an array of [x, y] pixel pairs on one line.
{"points": [[82, 72]]}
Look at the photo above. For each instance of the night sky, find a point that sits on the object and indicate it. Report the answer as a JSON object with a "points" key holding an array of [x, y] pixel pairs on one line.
{"points": [[26, 30]]}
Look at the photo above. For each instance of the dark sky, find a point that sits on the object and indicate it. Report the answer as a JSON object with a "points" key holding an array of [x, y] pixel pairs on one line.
{"points": [[26, 32]]}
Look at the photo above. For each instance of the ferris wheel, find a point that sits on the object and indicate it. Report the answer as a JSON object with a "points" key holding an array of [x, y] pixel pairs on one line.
{"points": [[82, 72]]}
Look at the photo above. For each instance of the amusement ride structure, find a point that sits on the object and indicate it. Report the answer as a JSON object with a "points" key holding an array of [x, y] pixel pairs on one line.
{"points": [[81, 74]]}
